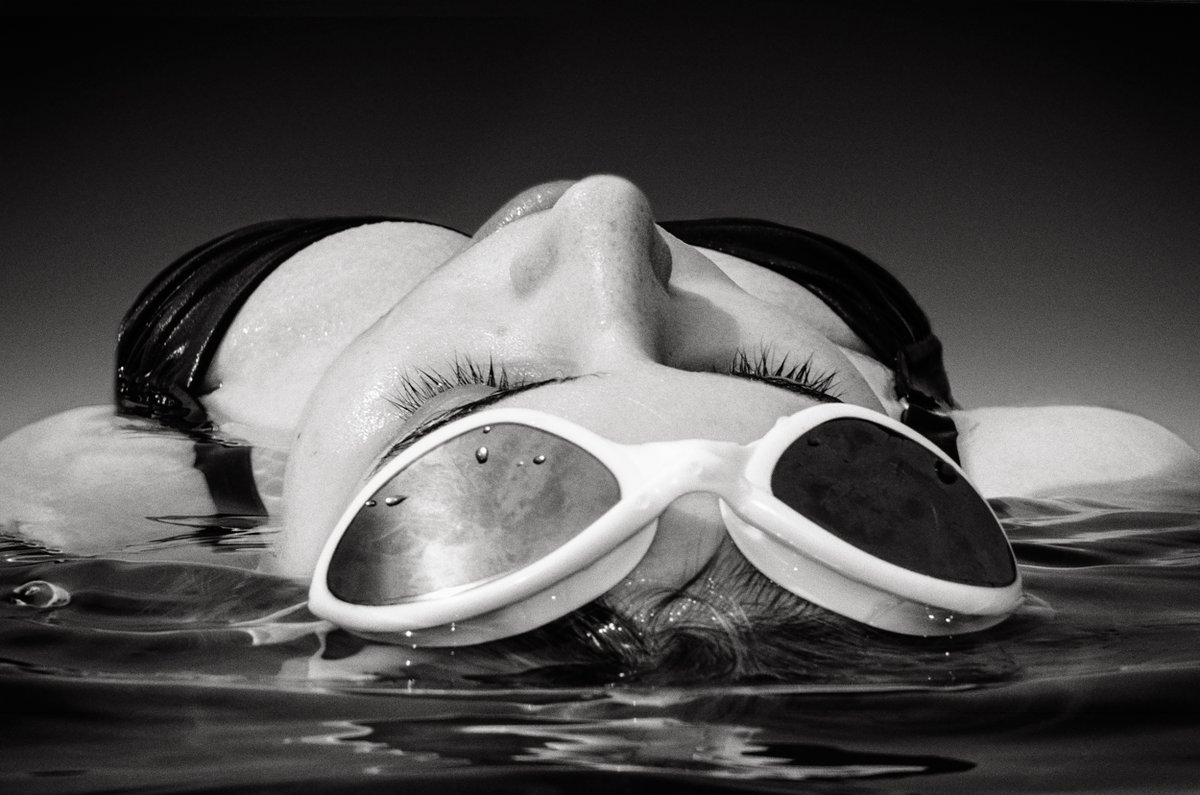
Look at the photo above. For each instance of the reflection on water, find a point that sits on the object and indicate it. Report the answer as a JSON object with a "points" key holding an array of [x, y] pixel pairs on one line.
{"points": [[647, 745], [147, 672], [223, 533]]}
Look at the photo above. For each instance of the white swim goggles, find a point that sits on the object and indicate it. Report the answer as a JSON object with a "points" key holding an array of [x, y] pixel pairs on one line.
{"points": [[507, 519]]}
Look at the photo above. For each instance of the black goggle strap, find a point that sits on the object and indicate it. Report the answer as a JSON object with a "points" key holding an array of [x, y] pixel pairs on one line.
{"points": [[920, 375], [229, 474]]}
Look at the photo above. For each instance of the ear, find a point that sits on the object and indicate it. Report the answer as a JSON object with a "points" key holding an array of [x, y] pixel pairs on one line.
{"points": [[1070, 451]]}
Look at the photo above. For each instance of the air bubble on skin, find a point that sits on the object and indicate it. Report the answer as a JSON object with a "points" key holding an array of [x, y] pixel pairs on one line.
{"points": [[370, 504], [481, 455], [945, 473], [392, 502], [539, 459], [40, 594]]}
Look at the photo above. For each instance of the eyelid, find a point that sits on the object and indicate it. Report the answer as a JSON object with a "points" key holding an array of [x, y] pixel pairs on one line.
{"points": [[783, 383], [457, 412]]}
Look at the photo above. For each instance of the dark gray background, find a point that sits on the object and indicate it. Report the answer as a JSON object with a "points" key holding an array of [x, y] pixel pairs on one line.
{"points": [[1031, 171]]}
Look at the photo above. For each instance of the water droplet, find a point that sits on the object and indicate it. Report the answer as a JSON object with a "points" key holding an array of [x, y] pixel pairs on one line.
{"points": [[487, 428], [539, 459], [481, 455], [370, 503], [392, 502], [813, 442], [39, 593], [945, 473], [520, 463]]}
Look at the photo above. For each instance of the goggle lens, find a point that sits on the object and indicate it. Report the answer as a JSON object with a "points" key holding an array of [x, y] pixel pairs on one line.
{"points": [[478, 506], [894, 499]]}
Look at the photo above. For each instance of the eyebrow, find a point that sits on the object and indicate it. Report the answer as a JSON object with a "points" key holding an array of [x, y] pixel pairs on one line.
{"points": [[460, 411]]}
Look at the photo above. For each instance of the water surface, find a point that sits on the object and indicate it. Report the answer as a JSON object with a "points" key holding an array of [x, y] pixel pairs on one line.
{"points": [[175, 668]]}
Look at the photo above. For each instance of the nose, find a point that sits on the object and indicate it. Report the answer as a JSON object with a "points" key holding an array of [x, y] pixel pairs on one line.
{"points": [[604, 268]]}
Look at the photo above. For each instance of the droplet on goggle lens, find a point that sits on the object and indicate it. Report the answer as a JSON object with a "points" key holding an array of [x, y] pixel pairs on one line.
{"points": [[945, 472], [539, 459], [392, 502], [481, 455], [370, 504]]}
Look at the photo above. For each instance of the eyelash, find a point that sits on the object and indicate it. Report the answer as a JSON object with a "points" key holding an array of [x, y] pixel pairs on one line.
{"points": [[801, 377], [415, 390]]}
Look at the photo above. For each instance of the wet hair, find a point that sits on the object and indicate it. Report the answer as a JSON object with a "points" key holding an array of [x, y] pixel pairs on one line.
{"points": [[732, 624]]}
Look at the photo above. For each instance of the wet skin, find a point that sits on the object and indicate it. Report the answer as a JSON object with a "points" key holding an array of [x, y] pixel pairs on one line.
{"points": [[568, 279], [577, 281]]}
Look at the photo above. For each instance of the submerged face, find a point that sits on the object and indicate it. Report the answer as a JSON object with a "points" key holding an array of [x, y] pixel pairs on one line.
{"points": [[623, 329]]}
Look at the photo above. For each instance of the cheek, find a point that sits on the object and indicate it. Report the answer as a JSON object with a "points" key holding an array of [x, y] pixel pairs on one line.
{"points": [[852, 387], [314, 496], [880, 381], [341, 431]]}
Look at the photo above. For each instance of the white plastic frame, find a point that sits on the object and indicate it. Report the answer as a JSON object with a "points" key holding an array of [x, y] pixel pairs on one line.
{"points": [[791, 550]]}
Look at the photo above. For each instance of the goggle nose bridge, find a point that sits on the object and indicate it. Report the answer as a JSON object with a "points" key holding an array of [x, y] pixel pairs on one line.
{"points": [[696, 465]]}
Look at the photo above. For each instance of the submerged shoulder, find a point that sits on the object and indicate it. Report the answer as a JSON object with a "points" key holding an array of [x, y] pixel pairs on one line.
{"points": [[87, 480], [1044, 450]]}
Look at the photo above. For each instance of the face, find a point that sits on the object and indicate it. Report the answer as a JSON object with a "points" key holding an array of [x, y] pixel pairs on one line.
{"points": [[630, 333]]}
